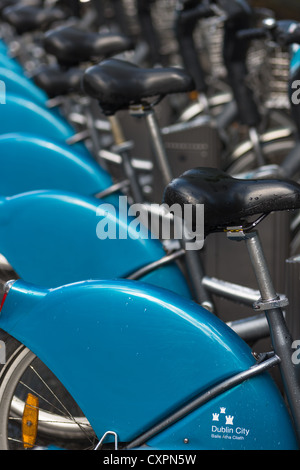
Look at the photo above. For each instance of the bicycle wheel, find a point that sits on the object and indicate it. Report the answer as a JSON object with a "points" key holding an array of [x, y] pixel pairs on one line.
{"points": [[56, 421], [274, 151], [295, 236], [6, 272]]}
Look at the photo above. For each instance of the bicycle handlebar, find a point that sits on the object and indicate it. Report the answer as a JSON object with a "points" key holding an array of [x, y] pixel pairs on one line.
{"points": [[148, 30], [185, 23], [252, 33], [294, 37], [284, 33], [192, 15]]}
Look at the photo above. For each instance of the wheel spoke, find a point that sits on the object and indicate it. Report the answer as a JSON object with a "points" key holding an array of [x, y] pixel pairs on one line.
{"points": [[61, 422]]}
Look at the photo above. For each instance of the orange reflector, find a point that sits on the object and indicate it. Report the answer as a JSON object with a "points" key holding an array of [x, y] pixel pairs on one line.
{"points": [[193, 95], [3, 300], [30, 421]]}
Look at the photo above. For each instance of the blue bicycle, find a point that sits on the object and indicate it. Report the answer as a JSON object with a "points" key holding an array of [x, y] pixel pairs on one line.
{"points": [[147, 369], [104, 364]]}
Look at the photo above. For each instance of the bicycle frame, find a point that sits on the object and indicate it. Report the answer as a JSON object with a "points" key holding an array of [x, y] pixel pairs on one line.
{"points": [[11, 64], [30, 162], [50, 239], [22, 115], [41, 239], [158, 338], [165, 170], [161, 340], [83, 172], [17, 84], [85, 177]]}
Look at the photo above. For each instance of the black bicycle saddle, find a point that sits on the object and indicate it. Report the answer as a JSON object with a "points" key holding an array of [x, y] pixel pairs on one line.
{"points": [[71, 45], [230, 201], [56, 82], [7, 3], [117, 84], [27, 18]]}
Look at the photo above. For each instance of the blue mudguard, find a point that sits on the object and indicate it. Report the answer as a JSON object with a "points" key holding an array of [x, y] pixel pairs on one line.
{"points": [[295, 60], [50, 239], [29, 163], [3, 47], [19, 85], [22, 115], [10, 63], [131, 354]]}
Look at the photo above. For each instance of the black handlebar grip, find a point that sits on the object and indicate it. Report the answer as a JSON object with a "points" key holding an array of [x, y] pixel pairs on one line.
{"points": [[184, 26], [148, 30], [251, 33], [294, 37], [192, 15], [192, 63], [235, 10], [235, 55]]}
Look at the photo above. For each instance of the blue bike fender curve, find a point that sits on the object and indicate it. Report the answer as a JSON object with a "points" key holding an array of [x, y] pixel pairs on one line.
{"points": [[131, 354], [3, 47], [10, 63], [17, 84], [30, 163], [23, 115], [295, 60], [50, 238]]}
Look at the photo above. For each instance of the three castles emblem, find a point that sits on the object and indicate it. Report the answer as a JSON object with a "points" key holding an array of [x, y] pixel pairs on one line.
{"points": [[229, 419]]}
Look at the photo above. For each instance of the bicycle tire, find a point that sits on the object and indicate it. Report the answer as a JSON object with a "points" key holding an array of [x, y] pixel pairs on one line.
{"points": [[57, 427], [274, 150]]}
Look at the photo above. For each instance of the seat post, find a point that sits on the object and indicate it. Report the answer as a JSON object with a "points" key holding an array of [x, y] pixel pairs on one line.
{"points": [[159, 149], [281, 339], [259, 264], [156, 139], [192, 259], [122, 148]]}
